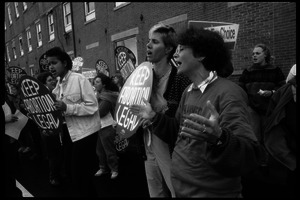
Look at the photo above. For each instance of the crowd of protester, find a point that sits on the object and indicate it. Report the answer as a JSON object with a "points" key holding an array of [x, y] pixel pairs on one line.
{"points": [[201, 135]]}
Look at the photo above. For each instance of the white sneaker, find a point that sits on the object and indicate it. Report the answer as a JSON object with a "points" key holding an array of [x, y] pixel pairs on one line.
{"points": [[100, 172], [114, 175]]}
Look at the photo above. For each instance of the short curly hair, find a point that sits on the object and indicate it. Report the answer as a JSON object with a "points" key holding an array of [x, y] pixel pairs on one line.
{"points": [[209, 44], [61, 55]]}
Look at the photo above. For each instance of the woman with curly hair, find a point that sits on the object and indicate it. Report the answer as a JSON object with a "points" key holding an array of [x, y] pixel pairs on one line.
{"points": [[214, 141]]}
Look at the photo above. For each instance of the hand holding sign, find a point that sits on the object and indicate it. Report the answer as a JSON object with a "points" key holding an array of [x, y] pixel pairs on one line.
{"points": [[144, 111], [60, 105]]}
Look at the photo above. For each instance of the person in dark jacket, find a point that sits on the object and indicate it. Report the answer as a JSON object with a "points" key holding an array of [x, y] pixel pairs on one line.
{"points": [[107, 95], [214, 141], [260, 81], [52, 142], [280, 132]]}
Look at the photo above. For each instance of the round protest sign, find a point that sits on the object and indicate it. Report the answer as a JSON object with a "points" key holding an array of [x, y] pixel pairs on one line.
{"points": [[125, 61], [43, 62], [39, 103], [137, 86], [77, 64], [13, 74], [102, 67]]}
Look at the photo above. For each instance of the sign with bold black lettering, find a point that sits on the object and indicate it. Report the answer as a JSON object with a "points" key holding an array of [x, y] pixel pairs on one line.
{"points": [[43, 62], [125, 61], [13, 74], [102, 67], [39, 103], [137, 86], [229, 31]]}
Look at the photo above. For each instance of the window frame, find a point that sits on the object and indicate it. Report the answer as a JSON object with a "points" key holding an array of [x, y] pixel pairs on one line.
{"points": [[21, 45], [68, 27], [50, 19], [7, 52], [9, 14], [38, 26], [24, 6], [89, 15], [14, 50], [28, 35], [16, 9]]}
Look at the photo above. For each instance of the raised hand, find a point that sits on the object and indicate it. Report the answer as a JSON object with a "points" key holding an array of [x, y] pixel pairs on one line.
{"points": [[201, 128]]}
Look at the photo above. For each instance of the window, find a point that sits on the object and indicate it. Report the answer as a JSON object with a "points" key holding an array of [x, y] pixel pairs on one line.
{"points": [[130, 43], [67, 17], [17, 10], [24, 6], [51, 27], [14, 49], [4, 25], [119, 3], [9, 15], [31, 68], [39, 33], [89, 8], [21, 45], [29, 40], [7, 53]]}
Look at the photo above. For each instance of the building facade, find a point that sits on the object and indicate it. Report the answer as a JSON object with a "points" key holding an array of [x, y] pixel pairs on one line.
{"points": [[92, 30]]}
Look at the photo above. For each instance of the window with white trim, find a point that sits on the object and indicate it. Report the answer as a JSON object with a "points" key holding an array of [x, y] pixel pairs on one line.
{"points": [[89, 8], [7, 53], [28, 33], [13, 45], [117, 4], [39, 33], [9, 14], [24, 6], [21, 45], [51, 27], [31, 69], [17, 9], [67, 17]]}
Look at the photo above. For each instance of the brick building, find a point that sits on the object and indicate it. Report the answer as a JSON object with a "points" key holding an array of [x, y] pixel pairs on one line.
{"points": [[92, 30]]}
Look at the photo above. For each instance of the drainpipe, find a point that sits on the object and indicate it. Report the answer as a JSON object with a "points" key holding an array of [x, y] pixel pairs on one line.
{"points": [[73, 30]]}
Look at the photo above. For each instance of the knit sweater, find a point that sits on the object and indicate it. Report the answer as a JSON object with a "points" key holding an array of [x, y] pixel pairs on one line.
{"points": [[257, 77], [200, 169]]}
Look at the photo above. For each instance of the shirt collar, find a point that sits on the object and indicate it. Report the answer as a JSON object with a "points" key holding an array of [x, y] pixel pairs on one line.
{"points": [[64, 78], [212, 77]]}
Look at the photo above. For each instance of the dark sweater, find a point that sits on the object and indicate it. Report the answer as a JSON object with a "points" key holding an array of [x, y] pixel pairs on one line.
{"points": [[200, 169], [257, 77]]}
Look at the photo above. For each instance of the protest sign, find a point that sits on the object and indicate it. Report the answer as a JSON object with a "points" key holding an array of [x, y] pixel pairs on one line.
{"points": [[229, 31], [13, 74], [77, 64], [43, 62], [39, 103], [102, 67], [137, 86], [125, 61], [13, 129]]}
